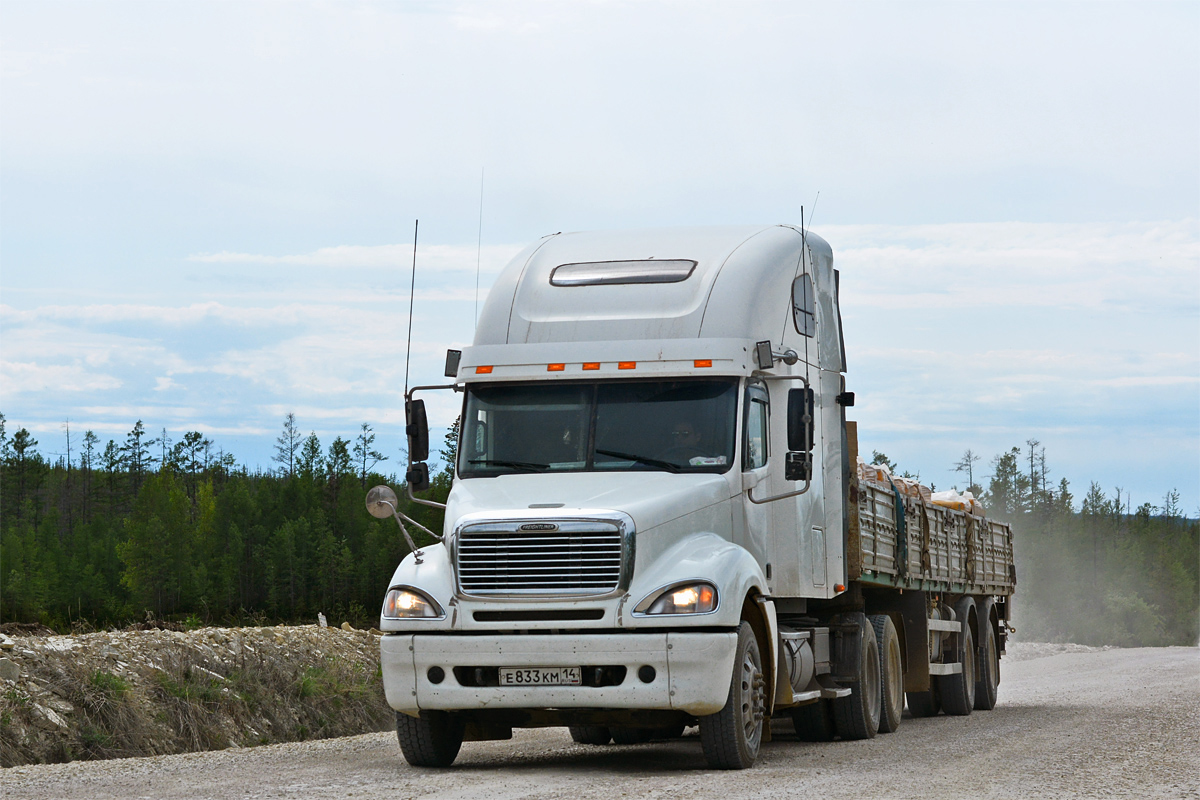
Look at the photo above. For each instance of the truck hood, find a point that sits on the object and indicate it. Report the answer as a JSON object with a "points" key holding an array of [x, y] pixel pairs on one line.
{"points": [[651, 498]]}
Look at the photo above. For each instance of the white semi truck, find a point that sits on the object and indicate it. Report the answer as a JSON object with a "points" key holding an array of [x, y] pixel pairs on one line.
{"points": [[656, 520]]}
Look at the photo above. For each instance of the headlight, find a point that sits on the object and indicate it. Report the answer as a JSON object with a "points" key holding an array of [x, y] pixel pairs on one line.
{"points": [[695, 598], [408, 604]]}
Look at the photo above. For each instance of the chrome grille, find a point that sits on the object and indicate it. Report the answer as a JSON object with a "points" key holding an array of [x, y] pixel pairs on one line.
{"points": [[580, 558]]}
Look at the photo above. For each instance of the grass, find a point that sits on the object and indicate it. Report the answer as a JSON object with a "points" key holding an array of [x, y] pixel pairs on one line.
{"points": [[196, 698], [112, 685]]}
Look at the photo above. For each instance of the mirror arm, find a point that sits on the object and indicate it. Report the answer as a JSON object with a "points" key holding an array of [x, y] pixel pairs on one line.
{"points": [[412, 546], [412, 521], [808, 481], [415, 499], [456, 387]]}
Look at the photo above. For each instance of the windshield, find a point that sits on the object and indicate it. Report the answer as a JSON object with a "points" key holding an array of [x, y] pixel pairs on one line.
{"points": [[673, 426]]}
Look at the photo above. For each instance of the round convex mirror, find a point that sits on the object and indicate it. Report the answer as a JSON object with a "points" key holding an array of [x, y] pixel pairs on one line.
{"points": [[381, 501]]}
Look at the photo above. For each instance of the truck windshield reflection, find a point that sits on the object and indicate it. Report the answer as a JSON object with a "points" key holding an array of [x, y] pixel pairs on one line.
{"points": [[671, 426]]}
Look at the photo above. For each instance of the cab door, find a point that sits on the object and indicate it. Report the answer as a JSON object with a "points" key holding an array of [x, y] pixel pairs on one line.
{"points": [[756, 469]]}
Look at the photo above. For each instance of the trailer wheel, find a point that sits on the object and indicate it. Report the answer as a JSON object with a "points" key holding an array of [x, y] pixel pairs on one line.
{"points": [[590, 734], [924, 704], [814, 722], [431, 740], [958, 691], [891, 671], [987, 682], [857, 716], [732, 736]]}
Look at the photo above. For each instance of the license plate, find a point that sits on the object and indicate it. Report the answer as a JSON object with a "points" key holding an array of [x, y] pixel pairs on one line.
{"points": [[540, 676]]}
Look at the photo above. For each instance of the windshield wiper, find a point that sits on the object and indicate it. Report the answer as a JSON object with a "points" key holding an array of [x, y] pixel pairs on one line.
{"points": [[528, 466], [653, 462]]}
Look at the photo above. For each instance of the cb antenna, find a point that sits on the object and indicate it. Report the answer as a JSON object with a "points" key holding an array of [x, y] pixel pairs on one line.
{"points": [[411, 292], [478, 248]]}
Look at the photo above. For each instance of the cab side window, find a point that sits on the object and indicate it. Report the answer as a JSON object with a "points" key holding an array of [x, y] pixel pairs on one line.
{"points": [[804, 307], [757, 426]]}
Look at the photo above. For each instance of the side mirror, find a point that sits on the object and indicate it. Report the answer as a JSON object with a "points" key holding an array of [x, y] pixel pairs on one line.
{"points": [[763, 356], [417, 428], [382, 502], [452, 359], [800, 417], [417, 476], [798, 467]]}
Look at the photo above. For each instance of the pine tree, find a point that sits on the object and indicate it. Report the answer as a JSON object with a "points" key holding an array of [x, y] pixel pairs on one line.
{"points": [[365, 456], [286, 445], [136, 454], [310, 464]]}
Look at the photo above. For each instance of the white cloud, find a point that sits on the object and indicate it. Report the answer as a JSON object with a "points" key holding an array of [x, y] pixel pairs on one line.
{"points": [[436, 258], [1150, 265], [25, 378]]}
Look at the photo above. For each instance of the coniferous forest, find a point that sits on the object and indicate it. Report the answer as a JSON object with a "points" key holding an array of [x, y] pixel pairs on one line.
{"points": [[105, 535]]}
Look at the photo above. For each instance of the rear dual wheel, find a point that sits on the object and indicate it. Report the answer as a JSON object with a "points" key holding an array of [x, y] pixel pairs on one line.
{"points": [[958, 690], [891, 673], [987, 680], [590, 734], [857, 716]]}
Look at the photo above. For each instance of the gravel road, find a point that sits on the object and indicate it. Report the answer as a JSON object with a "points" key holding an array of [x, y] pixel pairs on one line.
{"points": [[1111, 723]]}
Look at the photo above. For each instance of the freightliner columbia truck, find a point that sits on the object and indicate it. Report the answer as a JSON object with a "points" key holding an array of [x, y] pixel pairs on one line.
{"points": [[656, 521]]}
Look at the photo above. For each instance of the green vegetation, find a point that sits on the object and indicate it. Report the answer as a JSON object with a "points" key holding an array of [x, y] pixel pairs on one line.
{"points": [[1104, 572], [106, 536], [112, 685], [177, 531]]}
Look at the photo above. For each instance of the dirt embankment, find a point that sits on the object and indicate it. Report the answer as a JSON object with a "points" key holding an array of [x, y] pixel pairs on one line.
{"points": [[154, 692]]}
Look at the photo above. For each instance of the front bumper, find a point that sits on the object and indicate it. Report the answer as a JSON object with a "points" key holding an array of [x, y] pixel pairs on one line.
{"points": [[693, 670]]}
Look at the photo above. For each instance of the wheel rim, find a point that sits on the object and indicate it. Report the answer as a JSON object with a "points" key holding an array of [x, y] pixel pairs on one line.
{"points": [[968, 665], [993, 660], [895, 671], [752, 695]]}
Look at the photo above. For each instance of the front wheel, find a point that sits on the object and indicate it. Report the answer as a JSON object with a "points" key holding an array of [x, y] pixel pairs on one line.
{"points": [[732, 737], [430, 740]]}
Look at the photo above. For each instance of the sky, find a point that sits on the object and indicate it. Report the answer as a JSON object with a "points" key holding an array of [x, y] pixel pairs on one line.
{"points": [[207, 209]]}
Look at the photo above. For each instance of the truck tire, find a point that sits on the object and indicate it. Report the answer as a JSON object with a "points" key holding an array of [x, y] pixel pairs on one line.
{"points": [[958, 691], [987, 673], [891, 673], [731, 737], [631, 735], [590, 734], [924, 704], [814, 722], [431, 740], [857, 716]]}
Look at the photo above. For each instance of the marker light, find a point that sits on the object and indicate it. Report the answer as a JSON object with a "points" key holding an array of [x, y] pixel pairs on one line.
{"points": [[407, 604], [483, 370], [591, 365], [703, 362], [837, 587], [555, 367], [696, 598], [626, 365]]}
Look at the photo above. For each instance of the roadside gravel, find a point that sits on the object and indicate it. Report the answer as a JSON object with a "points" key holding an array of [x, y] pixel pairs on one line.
{"points": [[1071, 723]]}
